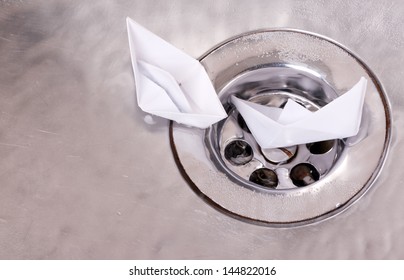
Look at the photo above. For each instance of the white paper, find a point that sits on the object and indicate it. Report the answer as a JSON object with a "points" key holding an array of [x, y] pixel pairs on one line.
{"points": [[294, 124], [170, 83]]}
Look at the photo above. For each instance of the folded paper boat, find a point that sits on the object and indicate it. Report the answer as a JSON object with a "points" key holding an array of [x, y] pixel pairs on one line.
{"points": [[173, 85], [294, 124], [170, 83]]}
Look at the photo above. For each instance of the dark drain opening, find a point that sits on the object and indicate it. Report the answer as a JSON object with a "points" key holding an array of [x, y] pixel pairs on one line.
{"points": [[242, 124], [264, 177], [238, 152], [304, 174], [322, 147]]}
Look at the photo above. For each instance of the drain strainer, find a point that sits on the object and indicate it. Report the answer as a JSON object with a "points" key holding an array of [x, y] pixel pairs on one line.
{"points": [[290, 185]]}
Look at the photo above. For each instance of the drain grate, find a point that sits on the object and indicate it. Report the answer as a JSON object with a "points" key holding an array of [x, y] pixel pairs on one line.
{"points": [[287, 186], [239, 155]]}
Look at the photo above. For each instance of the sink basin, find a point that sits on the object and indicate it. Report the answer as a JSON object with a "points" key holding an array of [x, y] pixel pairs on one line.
{"points": [[85, 174]]}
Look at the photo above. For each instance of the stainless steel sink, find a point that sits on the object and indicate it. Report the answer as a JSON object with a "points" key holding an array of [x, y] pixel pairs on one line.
{"points": [[85, 174]]}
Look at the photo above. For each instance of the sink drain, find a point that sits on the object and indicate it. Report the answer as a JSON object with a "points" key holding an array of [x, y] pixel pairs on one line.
{"points": [[289, 185], [234, 149]]}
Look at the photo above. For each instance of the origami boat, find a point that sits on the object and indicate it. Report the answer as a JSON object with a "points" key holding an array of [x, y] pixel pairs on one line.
{"points": [[294, 124], [170, 83]]}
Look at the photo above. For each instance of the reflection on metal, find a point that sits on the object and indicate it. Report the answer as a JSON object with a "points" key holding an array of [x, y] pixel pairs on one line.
{"points": [[264, 177], [238, 152], [304, 174], [293, 185]]}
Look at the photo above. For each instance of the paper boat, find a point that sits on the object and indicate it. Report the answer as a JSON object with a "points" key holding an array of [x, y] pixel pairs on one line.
{"points": [[294, 124], [170, 83]]}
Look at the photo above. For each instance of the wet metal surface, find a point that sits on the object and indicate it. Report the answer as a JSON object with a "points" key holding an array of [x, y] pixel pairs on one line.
{"points": [[85, 174]]}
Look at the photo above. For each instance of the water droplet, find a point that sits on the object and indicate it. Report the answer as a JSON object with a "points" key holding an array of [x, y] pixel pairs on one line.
{"points": [[149, 120]]}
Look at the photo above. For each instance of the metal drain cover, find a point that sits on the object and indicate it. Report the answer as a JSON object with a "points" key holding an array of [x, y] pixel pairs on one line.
{"points": [[291, 185]]}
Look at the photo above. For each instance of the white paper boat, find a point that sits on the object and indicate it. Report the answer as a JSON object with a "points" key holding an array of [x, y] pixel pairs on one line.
{"points": [[294, 124], [170, 83]]}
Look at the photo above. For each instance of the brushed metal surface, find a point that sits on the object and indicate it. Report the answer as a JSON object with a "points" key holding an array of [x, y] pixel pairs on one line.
{"points": [[84, 174]]}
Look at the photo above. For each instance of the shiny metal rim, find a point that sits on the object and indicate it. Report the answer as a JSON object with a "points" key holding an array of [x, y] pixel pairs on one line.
{"points": [[187, 169]]}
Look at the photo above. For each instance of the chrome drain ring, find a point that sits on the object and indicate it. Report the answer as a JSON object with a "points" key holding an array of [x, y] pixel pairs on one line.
{"points": [[356, 165]]}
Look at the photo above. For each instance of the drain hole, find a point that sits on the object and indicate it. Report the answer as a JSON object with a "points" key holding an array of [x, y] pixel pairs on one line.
{"points": [[264, 177], [279, 155], [238, 152], [322, 147], [304, 174], [242, 124]]}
